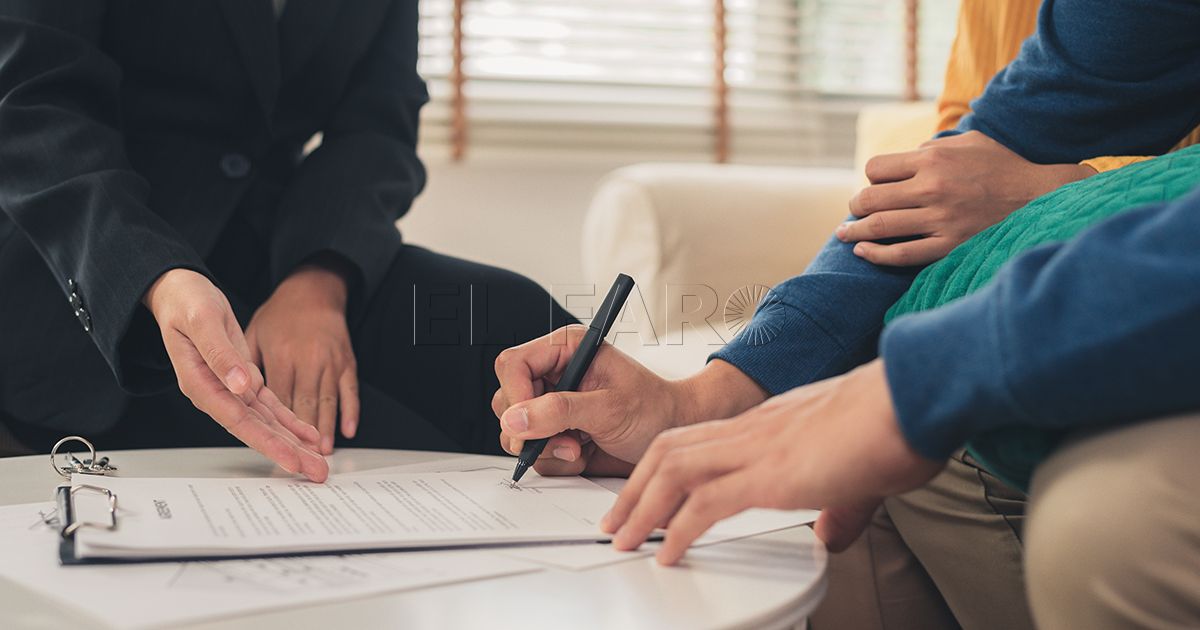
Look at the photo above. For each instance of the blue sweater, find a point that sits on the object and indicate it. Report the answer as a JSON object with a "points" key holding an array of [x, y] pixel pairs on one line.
{"points": [[1117, 77]]}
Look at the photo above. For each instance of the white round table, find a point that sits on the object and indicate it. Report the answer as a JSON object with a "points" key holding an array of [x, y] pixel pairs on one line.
{"points": [[772, 580]]}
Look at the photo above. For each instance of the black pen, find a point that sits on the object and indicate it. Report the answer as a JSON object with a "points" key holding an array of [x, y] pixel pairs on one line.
{"points": [[580, 361]]}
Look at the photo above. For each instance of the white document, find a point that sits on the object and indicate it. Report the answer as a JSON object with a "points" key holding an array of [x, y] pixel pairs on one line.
{"points": [[171, 593], [461, 463], [582, 557], [190, 518]]}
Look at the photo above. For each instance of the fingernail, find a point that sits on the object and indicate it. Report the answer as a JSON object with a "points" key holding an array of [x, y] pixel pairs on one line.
{"points": [[327, 445], [516, 420], [859, 249], [605, 526], [841, 230], [236, 378], [564, 454], [618, 540]]}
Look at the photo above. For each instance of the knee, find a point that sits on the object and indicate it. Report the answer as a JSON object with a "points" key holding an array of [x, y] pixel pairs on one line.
{"points": [[1071, 546], [1107, 546], [518, 304]]}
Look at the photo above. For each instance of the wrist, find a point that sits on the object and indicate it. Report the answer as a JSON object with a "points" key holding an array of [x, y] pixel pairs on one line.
{"points": [[717, 391], [318, 282], [158, 294], [1055, 176]]}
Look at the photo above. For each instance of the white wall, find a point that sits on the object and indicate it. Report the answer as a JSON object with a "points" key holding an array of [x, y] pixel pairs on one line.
{"points": [[523, 214]]}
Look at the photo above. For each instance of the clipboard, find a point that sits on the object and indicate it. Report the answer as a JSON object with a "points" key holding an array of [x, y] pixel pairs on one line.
{"points": [[64, 499], [72, 553], [67, 556], [64, 495]]}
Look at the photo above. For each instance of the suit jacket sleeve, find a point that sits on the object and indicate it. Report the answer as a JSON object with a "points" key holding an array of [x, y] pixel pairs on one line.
{"points": [[66, 184], [347, 195]]}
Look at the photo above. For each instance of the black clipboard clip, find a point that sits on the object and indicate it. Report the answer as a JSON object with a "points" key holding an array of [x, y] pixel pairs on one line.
{"points": [[65, 502], [64, 498]]}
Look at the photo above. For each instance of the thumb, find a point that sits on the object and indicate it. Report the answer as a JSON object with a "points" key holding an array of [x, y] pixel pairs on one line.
{"points": [[219, 353], [840, 526], [555, 412]]}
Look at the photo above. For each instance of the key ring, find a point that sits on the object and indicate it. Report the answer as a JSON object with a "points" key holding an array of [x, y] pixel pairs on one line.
{"points": [[89, 466]]}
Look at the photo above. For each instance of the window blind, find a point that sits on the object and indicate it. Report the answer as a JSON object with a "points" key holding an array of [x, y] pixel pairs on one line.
{"points": [[856, 47], [638, 78]]}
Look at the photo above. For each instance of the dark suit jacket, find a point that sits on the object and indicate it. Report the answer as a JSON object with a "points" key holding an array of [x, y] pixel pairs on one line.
{"points": [[132, 130]]}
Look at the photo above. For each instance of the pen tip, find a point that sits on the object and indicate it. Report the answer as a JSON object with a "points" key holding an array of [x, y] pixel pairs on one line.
{"points": [[519, 472]]}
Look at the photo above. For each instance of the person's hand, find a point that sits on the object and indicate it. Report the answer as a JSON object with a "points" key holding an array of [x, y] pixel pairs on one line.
{"points": [[620, 407], [834, 445], [212, 363], [300, 337], [944, 193], [601, 429]]}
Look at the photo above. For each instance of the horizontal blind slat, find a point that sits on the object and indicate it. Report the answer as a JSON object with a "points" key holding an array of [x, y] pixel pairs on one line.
{"points": [[638, 73]]}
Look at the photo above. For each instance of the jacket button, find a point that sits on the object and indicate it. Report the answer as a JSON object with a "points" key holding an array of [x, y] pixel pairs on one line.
{"points": [[235, 165], [85, 318]]}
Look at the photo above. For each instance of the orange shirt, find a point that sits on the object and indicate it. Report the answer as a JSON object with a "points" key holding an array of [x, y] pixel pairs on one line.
{"points": [[989, 36]]}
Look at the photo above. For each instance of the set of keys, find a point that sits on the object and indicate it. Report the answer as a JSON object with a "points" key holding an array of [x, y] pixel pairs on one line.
{"points": [[89, 466]]}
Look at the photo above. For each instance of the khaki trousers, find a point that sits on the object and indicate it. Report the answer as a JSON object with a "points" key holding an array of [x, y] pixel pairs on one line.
{"points": [[947, 555], [1113, 534], [1110, 538]]}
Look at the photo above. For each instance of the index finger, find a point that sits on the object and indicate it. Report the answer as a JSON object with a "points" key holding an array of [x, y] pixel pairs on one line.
{"points": [[688, 468], [648, 467], [891, 167], [716, 500], [888, 196], [311, 463], [209, 395], [306, 433], [518, 367]]}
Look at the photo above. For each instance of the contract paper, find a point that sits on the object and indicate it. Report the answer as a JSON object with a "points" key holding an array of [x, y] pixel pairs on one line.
{"points": [[171, 593], [193, 518], [582, 557]]}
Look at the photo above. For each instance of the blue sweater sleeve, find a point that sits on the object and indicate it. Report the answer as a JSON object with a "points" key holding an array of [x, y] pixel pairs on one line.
{"points": [[819, 324], [1096, 330], [1118, 77]]}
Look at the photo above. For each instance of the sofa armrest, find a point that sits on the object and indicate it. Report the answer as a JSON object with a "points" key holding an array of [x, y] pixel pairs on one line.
{"points": [[693, 235]]}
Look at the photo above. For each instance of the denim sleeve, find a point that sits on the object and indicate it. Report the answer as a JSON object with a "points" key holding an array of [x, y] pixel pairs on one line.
{"points": [[819, 324], [1101, 329]]}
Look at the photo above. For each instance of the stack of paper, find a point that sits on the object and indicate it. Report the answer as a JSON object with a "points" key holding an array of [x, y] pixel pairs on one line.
{"points": [[169, 593], [459, 501], [212, 518]]}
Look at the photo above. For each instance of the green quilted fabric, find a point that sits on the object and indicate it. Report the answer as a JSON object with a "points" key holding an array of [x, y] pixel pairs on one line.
{"points": [[1013, 453]]}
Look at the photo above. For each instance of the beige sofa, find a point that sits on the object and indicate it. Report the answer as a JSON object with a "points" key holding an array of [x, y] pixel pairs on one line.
{"points": [[703, 241]]}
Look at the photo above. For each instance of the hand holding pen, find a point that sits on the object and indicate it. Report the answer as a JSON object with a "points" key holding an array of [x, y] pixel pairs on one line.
{"points": [[609, 422], [572, 375]]}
